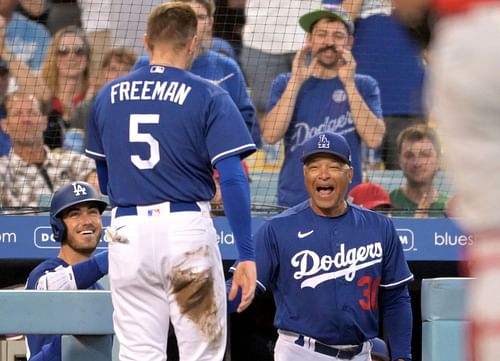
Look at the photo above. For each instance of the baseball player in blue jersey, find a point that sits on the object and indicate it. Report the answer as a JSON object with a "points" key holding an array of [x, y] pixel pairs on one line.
{"points": [[325, 94], [218, 68], [75, 217], [332, 267], [156, 135]]}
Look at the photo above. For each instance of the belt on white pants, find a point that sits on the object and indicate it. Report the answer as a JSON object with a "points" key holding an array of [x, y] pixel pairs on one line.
{"points": [[347, 352], [161, 208]]}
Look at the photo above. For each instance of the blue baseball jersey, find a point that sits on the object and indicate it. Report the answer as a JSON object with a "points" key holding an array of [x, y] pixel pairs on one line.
{"points": [[321, 106], [163, 129], [36, 342], [225, 72], [325, 272]]}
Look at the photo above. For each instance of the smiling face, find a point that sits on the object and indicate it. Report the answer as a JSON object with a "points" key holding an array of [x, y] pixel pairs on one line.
{"points": [[327, 178], [72, 56], [419, 161], [84, 227], [326, 39]]}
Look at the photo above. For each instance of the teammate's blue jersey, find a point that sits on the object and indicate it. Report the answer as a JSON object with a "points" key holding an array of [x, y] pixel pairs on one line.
{"points": [[225, 72], [164, 128], [321, 106], [325, 272], [36, 342]]}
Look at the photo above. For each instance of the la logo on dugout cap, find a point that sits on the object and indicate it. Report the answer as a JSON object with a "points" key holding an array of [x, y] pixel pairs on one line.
{"points": [[329, 143]]}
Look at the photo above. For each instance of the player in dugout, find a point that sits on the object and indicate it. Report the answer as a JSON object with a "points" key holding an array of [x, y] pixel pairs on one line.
{"points": [[333, 267], [75, 217]]}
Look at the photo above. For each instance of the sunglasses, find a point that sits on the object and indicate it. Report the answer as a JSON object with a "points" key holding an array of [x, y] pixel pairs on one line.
{"points": [[65, 50]]}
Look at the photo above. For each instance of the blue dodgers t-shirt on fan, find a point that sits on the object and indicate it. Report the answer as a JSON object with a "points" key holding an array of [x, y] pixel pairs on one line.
{"points": [[321, 106]]}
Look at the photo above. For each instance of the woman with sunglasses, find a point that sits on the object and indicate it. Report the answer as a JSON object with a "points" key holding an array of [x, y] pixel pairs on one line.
{"points": [[66, 75]]}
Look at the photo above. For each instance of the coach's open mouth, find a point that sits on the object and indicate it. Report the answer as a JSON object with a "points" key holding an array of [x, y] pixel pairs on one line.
{"points": [[325, 190]]}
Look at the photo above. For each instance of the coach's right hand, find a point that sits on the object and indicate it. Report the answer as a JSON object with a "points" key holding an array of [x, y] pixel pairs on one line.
{"points": [[245, 277]]}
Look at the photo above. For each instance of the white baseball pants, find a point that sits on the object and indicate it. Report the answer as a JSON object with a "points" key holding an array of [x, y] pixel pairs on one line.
{"points": [[165, 265], [287, 349]]}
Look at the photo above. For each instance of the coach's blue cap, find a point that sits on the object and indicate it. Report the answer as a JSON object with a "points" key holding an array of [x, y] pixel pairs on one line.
{"points": [[379, 349], [331, 11], [330, 143]]}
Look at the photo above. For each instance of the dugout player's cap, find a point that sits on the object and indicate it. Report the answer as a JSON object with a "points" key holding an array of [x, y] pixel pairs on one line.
{"points": [[69, 195], [331, 11], [329, 143], [379, 349], [370, 196]]}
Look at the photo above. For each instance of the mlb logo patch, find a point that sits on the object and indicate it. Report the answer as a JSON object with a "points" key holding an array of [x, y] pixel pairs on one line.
{"points": [[157, 69], [153, 212]]}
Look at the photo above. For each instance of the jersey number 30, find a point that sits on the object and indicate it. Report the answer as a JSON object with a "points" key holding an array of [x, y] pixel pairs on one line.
{"points": [[370, 292], [137, 137]]}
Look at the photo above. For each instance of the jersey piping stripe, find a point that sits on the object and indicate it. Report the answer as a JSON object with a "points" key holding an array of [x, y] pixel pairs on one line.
{"points": [[398, 283], [249, 146], [95, 154]]}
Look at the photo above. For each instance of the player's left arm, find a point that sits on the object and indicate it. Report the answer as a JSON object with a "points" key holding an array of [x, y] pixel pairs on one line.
{"points": [[394, 298], [236, 199], [364, 101], [396, 309]]}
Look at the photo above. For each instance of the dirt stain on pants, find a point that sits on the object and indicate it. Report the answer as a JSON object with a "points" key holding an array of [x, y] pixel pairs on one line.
{"points": [[195, 295]]}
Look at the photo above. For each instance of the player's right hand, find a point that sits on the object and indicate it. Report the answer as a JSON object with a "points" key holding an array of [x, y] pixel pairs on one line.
{"points": [[245, 277]]}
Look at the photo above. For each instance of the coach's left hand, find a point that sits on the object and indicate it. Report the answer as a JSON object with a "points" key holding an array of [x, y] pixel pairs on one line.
{"points": [[244, 277]]}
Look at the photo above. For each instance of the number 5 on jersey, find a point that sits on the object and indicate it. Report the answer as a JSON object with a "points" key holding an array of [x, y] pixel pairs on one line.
{"points": [[136, 137]]}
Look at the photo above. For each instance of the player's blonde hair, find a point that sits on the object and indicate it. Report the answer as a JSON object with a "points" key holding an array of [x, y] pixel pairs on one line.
{"points": [[173, 23]]}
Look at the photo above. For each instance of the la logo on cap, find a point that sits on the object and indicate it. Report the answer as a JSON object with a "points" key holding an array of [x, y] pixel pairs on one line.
{"points": [[323, 142]]}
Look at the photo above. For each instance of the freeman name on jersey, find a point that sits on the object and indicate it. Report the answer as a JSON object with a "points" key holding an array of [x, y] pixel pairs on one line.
{"points": [[150, 90]]}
